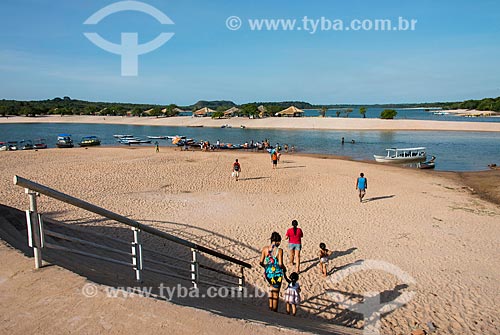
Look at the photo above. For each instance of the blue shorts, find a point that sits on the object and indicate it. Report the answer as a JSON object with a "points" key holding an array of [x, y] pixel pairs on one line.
{"points": [[294, 246]]}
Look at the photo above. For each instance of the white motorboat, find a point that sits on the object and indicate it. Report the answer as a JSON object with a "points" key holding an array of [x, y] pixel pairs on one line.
{"points": [[128, 140], [13, 145], [401, 156], [26, 144], [64, 141]]}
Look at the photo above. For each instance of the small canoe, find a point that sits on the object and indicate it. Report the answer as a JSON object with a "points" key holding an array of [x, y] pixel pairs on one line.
{"points": [[426, 165]]}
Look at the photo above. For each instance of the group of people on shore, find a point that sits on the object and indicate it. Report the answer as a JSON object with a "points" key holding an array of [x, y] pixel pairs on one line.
{"points": [[275, 153], [275, 271], [248, 145]]}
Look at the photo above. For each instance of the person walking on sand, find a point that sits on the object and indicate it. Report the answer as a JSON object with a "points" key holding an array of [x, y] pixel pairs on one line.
{"points": [[157, 146], [294, 236], [361, 185], [274, 158], [236, 169], [271, 259], [292, 293], [324, 255]]}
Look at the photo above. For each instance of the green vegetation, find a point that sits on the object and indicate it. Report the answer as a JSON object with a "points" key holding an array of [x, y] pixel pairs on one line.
{"points": [[362, 111], [388, 114], [271, 110], [487, 104], [278, 106], [220, 105], [218, 115], [68, 106], [249, 109]]}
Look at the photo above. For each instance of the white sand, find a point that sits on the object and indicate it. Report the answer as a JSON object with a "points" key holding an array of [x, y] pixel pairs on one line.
{"points": [[472, 113], [428, 226], [277, 123]]}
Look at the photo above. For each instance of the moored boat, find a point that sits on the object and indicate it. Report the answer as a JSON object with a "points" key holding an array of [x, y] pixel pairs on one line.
{"points": [[426, 165], [64, 141], [4, 146], [401, 156], [88, 141], [430, 164], [157, 137], [39, 143], [128, 140], [26, 145], [12, 145]]}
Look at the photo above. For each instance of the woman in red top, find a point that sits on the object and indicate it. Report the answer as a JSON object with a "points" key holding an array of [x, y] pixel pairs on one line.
{"points": [[294, 236]]}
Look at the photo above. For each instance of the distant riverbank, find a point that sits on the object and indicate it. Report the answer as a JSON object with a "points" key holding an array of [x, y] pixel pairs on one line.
{"points": [[268, 123]]}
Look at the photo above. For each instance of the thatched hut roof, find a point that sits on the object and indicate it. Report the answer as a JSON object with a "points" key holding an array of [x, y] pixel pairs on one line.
{"points": [[291, 111], [205, 111], [231, 111]]}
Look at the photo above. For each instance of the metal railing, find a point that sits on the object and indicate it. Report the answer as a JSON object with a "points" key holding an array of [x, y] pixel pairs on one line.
{"points": [[139, 263]]}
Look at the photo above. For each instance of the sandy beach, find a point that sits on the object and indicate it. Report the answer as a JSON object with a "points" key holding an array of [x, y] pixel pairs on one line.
{"points": [[269, 123], [431, 226], [472, 113]]}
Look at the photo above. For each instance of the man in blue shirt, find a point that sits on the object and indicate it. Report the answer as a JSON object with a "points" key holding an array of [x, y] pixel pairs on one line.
{"points": [[361, 185]]}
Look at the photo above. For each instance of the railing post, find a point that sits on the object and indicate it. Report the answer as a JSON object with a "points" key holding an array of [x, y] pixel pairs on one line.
{"points": [[35, 232], [194, 268], [137, 254], [241, 281]]}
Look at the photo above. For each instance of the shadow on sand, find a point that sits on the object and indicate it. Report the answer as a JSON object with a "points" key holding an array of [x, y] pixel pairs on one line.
{"points": [[252, 308], [336, 254], [327, 303], [254, 178], [379, 198], [291, 167]]}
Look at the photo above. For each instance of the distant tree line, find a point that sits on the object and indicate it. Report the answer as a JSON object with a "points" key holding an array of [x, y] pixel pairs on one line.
{"points": [[487, 104], [215, 105], [68, 106]]}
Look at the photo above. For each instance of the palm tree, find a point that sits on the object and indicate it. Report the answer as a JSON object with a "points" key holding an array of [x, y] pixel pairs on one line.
{"points": [[362, 111]]}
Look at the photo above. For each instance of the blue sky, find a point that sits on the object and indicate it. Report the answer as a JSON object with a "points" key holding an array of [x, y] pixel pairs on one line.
{"points": [[454, 53]]}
